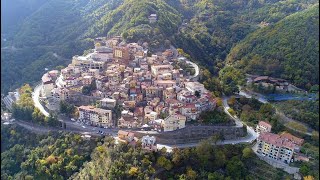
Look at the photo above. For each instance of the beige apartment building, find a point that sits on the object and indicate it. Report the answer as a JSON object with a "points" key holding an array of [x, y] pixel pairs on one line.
{"points": [[174, 122], [96, 116], [276, 147], [263, 127]]}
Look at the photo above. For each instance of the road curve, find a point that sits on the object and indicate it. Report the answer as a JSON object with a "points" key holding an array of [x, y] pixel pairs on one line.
{"points": [[251, 134], [35, 98], [196, 68], [260, 98]]}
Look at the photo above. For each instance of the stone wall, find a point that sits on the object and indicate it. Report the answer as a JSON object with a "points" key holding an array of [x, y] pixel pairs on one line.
{"points": [[193, 134]]}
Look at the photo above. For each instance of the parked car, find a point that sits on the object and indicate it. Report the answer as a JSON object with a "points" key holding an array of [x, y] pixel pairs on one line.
{"points": [[72, 119]]}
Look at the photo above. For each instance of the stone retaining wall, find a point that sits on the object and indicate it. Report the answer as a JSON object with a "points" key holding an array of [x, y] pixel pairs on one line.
{"points": [[193, 134]]}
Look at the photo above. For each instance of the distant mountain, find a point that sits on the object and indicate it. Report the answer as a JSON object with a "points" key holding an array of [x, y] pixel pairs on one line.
{"points": [[13, 13], [288, 49]]}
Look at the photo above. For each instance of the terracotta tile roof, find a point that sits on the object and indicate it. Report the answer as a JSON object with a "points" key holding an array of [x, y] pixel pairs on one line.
{"points": [[292, 138], [191, 105], [276, 140], [265, 124]]}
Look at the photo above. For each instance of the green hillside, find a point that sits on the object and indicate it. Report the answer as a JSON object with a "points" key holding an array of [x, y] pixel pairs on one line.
{"points": [[205, 29], [288, 49]]}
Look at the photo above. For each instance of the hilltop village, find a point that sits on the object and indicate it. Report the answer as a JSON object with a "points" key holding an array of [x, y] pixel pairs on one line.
{"points": [[122, 85]]}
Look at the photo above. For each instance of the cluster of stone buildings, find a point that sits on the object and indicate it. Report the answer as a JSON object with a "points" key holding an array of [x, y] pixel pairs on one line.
{"points": [[277, 83], [151, 92], [282, 147]]}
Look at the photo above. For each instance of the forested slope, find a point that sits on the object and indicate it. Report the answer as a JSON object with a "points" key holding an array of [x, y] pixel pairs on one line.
{"points": [[205, 29], [288, 49]]}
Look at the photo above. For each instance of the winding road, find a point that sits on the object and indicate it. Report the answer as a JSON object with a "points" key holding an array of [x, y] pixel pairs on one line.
{"points": [[76, 127], [36, 100], [283, 117], [194, 65]]}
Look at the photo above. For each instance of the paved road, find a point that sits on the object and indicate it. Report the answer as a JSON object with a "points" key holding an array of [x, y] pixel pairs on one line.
{"points": [[71, 126], [196, 68], [37, 104], [226, 108], [257, 96], [75, 129], [251, 134], [78, 128], [284, 118]]}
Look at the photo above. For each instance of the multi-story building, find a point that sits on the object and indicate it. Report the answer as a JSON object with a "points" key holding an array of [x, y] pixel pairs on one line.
{"points": [[47, 85], [161, 69], [96, 116], [60, 94], [165, 83], [121, 53], [263, 127], [295, 140], [174, 122], [108, 103], [87, 62], [276, 147], [150, 115], [11, 98], [128, 122], [94, 72], [195, 86], [190, 111], [148, 143], [152, 18]]}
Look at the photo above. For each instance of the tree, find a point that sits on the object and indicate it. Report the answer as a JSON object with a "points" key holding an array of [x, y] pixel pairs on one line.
{"points": [[125, 35], [197, 94], [164, 162], [133, 171], [309, 177], [231, 111], [304, 169], [203, 151], [247, 153], [230, 79], [215, 176], [219, 102], [67, 108], [215, 138], [167, 43], [191, 174], [37, 116], [246, 108], [59, 67], [315, 135], [298, 126], [235, 168], [232, 100], [219, 159], [267, 110], [86, 90], [52, 120]]}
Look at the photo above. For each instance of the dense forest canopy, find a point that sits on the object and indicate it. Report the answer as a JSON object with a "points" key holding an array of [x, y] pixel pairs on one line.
{"points": [[26, 155], [288, 49]]}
